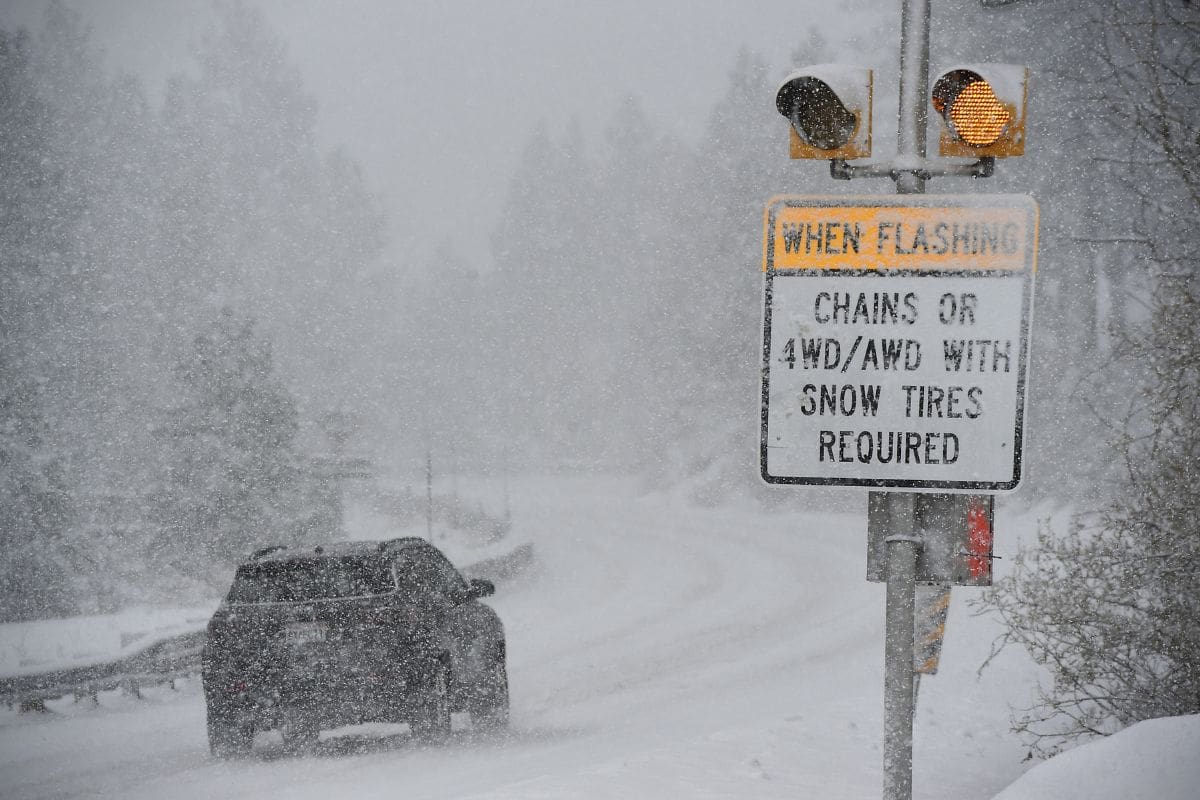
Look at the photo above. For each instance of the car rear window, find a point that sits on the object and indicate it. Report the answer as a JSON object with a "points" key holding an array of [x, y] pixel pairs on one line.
{"points": [[310, 579]]}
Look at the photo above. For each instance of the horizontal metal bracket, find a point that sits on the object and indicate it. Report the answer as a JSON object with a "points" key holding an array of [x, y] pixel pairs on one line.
{"points": [[917, 540], [842, 170]]}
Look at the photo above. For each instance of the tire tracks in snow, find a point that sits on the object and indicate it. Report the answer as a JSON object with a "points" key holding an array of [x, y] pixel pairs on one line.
{"points": [[725, 605]]}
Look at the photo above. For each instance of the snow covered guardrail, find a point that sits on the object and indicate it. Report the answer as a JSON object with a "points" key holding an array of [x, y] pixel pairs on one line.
{"points": [[161, 662], [169, 658]]}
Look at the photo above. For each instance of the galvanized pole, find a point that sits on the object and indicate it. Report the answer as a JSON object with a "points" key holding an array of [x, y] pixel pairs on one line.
{"points": [[914, 88], [904, 540]]}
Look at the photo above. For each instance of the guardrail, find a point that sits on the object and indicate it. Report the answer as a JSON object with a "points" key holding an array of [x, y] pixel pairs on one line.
{"points": [[164, 661], [178, 656]]}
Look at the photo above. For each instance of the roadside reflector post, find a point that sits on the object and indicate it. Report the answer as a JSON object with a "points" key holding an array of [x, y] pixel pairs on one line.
{"points": [[933, 608]]}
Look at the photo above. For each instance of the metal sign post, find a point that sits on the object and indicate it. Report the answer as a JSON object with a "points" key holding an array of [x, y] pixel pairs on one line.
{"points": [[899, 637], [899, 689]]}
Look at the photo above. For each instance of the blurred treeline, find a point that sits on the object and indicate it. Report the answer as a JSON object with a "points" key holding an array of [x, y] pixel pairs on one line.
{"points": [[151, 248]]}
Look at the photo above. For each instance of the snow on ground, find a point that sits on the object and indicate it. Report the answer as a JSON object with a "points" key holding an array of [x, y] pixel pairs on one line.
{"points": [[656, 650]]}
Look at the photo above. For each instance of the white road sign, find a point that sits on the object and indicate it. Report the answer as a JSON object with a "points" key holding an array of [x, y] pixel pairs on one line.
{"points": [[896, 340]]}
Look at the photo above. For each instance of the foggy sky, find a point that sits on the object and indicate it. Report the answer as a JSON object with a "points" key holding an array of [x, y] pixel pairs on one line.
{"points": [[436, 99]]}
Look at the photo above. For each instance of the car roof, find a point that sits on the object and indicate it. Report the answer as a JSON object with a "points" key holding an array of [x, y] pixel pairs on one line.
{"points": [[357, 549]]}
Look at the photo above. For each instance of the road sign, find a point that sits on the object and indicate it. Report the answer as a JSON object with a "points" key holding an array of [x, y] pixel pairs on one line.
{"points": [[896, 340]]}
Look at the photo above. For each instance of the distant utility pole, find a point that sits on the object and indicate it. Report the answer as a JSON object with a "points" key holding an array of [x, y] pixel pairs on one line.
{"points": [[429, 494], [453, 486], [507, 501]]}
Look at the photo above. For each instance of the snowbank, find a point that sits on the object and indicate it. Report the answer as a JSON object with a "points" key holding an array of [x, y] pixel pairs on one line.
{"points": [[1154, 760]]}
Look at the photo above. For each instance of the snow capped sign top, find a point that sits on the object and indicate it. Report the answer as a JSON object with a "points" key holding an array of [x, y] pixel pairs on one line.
{"points": [[895, 340]]}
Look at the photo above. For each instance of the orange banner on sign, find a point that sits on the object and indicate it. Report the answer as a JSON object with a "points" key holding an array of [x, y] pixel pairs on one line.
{"points": [[892, 237]]}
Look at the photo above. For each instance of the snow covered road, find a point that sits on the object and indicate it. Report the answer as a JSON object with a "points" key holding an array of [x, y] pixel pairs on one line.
{"points": [[656, 650]]}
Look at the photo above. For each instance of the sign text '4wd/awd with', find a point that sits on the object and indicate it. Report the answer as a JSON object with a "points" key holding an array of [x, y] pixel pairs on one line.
{"points": [[896, 340]]}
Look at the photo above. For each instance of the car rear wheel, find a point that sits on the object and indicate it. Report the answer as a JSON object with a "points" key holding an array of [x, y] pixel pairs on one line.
{"points": [[229, 738], [489, 709], [300, 733], [432, 724]]}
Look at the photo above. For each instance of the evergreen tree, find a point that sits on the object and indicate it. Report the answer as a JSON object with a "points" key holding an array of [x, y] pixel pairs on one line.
{"points": [[35, 509], [233, 477], [716, 324], [102, 149], [540, 266], [253, 214], [637, 275]]}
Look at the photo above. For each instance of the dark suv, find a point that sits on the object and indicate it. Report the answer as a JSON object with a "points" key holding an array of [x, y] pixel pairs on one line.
{"points": [[309, 639]]}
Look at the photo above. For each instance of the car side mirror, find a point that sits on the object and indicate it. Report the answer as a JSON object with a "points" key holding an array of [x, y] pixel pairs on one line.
{"points": [[478, 587]]}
